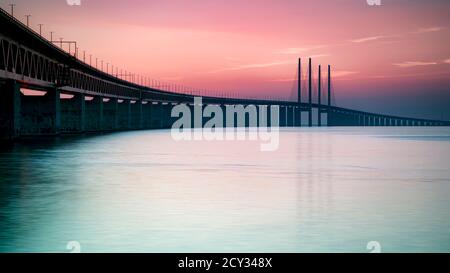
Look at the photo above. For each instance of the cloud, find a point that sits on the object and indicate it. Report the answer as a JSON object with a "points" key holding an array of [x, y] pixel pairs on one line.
{"points": [[299, 50], [444, 73], [413, 64], [368, 39], [319, 55], [343, 73], [429, 29], [283, 80], [447, 61], [254, 66]]}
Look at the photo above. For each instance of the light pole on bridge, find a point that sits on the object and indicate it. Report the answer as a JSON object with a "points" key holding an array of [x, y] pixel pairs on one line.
{"points": [[28, 19], [12, 9], [40, 29]]}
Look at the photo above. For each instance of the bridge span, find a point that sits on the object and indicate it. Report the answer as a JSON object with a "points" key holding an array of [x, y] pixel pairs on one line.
{"points": [[72, 96]]}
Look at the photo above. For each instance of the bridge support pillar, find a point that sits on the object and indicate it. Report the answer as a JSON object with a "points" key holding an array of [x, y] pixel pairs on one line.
{"points": [[283, 116], [73, 112], [146, 114], [110, 114], [156, 115], [166, 110], [40, 115], [136, 114], [124, 114], [330, 118], [319, 117], [310, 117], [94, 114], [297, 116], [10, 104], [290, 116]]}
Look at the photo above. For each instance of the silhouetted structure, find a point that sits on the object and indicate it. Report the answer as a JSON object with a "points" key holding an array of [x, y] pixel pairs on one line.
{"points": [[80, 98]]}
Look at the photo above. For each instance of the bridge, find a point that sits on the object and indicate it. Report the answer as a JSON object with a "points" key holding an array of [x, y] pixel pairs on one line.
{"points": [[76, 97]]}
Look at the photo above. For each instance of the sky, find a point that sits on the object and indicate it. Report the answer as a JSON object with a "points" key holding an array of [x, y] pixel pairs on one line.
{"points": [[393, 58]]}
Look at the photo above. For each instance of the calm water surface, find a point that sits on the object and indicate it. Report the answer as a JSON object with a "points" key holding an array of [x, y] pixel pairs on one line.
{"points": [[323, 190]]}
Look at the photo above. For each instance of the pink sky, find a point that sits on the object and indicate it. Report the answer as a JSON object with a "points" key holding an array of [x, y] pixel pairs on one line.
{"points": [[389, 58]]}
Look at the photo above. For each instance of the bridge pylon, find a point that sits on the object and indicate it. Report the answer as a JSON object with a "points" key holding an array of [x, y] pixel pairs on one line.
{"points": [[310, 93]]}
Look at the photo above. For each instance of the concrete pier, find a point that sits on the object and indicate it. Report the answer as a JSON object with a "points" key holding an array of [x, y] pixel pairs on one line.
{"points": [[147, 115], [10, 110], [124, 115], [73, 113], [136, 115], [290, 116], [40, 115], [283, 116], [110, 114], [94, 114]]}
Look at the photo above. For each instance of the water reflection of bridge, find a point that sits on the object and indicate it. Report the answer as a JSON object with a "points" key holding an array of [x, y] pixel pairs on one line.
{"points": [[77, 97]]}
